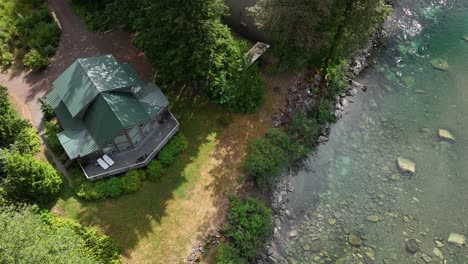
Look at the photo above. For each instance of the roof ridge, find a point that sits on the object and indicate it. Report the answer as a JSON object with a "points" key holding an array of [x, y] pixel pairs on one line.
{"points": [[86, 71]]}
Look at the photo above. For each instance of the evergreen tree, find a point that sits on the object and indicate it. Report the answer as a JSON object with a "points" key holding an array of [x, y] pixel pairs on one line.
{"points": [[28, 236], [28, 179]]}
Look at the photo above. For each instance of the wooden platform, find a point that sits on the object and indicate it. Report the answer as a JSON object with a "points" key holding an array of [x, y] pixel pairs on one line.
{"points": [[132, 159]]}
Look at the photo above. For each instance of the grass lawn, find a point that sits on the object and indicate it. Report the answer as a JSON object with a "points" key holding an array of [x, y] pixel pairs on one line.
{"points": [[161, 222], [157, 221]]}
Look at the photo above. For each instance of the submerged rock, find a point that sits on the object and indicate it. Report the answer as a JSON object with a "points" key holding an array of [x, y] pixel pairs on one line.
{"points": [[420, 91], [456, 239], [440, 64], [437, 253], [412, 246], [406, 165], [373, 218], [426, 258], [293, 233], [445, 135], [395, 177], [354, 239], [438, 243]]}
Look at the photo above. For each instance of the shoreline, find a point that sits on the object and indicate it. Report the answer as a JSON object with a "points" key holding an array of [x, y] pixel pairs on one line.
{"points": [[280, 195]]}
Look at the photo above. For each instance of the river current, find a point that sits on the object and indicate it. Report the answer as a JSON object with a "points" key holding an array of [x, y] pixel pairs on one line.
{"points": [[352, 203]]}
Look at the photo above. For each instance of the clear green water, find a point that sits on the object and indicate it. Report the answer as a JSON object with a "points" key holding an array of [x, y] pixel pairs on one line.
{"points": [[354, 176]]}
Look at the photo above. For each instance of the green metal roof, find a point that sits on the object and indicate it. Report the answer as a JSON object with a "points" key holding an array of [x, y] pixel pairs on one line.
{"points": [[96, 98], [151, 98]]}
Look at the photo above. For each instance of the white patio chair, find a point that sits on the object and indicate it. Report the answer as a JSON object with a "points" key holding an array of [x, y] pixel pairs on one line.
{"points": [[108, 160], [103, 164]]}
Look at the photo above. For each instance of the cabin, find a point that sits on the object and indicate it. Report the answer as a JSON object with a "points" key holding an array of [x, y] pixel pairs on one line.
{"points": [[112, 120]]}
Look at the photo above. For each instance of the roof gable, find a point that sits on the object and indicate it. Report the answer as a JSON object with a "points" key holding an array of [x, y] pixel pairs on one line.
{"points": [[95, 99], [79, 85]]}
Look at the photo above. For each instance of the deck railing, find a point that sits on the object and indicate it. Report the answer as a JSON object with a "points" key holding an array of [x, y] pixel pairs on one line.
{"points": [[137, 165]]}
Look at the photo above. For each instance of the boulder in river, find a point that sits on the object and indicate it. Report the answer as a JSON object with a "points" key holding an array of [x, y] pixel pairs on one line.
{"points": [[354, 239], [373, 218], [445, 135], [406, 165], [456, 239], [412, 246], [440, 64]]}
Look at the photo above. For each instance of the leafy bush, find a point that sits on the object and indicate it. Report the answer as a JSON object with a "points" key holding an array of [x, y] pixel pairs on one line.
{"points": [[226, 254], [28, 141], [15, 130], [114, 187], [336, 76], [249, 226], [155, 170], [100, 246], [91, 190], [265, 160], [46, 109], [322, 112], [175, 146], [26, 238], [304, 130], [29, 179], [35, 60], [50, 134], [248, 92], [31, 30], [6, 58], [131, 181]]}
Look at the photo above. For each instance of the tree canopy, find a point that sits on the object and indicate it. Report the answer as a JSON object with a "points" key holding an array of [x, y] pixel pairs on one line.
{"points": [[16, 131], [28, 179], [309, 29], [29, 237]]}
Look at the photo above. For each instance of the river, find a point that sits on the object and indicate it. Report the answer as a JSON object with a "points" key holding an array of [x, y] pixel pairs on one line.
{"points": [[351, 202]]}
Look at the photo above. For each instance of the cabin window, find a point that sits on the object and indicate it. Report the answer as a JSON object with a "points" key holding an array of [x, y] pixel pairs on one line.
{"points": [[145, 128], [135, 135], [111, 149], [124, 146], [120, 139]]}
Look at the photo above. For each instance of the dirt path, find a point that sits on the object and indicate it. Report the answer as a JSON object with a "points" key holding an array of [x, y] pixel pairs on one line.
{"points": [[75, 42]]}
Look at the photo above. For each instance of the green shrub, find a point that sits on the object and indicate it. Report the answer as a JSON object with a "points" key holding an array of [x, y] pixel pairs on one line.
{"points": [[6, 58], [247, 92], [89, 190], [265, 161], [100, 246], [226, 254], [28, 179], [50, 134], [34, 60], [249, 226], [114, 187], [155, 170], [46, 109], [336, 76], [28, 141], [322, 112], [304, 131], [131, 181], [175, 146]]}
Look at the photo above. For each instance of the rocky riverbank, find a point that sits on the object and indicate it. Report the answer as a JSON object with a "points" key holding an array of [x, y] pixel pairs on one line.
{"points": [[300, 99]]}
